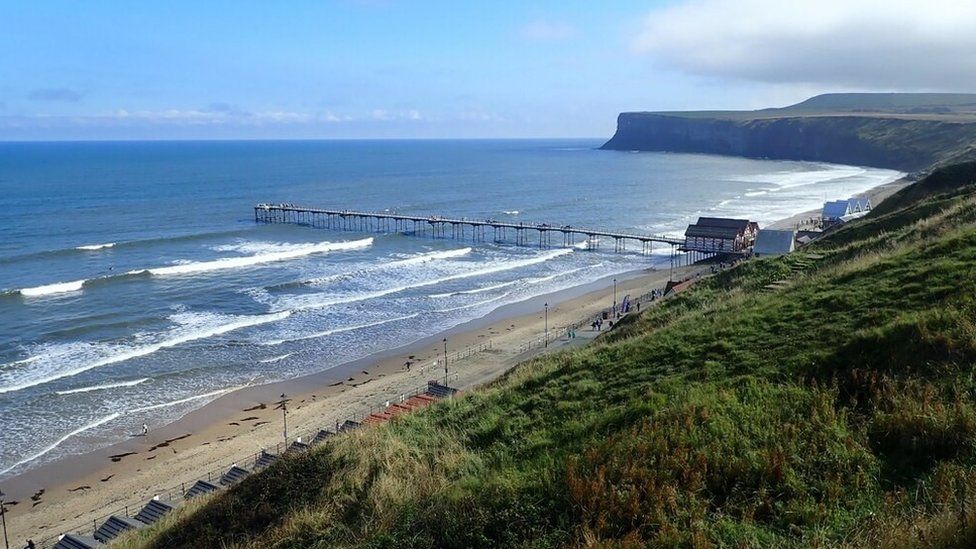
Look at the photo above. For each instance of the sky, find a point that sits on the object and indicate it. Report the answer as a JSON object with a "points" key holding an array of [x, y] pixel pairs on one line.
{"points": [[447, 69]]}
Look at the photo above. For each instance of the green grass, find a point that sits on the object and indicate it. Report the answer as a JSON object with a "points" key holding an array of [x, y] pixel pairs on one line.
{"points": [[838, 411]]}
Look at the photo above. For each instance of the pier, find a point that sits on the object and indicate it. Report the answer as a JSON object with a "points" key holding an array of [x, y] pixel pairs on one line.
{"points": [[543, 235]]}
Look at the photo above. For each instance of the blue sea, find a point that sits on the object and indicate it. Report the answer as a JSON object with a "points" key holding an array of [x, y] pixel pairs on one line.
{"points": [[135, 285]]}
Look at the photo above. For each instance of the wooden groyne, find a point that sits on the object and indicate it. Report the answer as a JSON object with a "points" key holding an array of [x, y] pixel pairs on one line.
{"points": [[544, 235]]}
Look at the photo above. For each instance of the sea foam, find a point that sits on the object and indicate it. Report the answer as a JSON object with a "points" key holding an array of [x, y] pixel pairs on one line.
{"points": [[70, 359]]}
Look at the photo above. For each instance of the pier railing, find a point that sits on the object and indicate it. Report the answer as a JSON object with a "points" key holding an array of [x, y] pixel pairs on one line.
{"points": [[461, 228]]}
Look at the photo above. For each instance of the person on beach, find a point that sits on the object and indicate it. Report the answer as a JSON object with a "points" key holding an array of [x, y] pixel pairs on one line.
{"points": [[638, 306], [30, 544], [145, 430]]}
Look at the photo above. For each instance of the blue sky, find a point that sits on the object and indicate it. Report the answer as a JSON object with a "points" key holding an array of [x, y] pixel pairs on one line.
{"points": [[397, 68]]}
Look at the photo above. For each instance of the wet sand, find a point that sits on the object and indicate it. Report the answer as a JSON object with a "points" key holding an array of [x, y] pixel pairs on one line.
{"points": [[69, 493]]}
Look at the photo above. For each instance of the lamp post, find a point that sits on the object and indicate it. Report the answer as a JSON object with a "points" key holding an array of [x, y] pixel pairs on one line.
{"points": [[445, 360], [3, 517], [547, 324], [615, 297], [283, 404]]}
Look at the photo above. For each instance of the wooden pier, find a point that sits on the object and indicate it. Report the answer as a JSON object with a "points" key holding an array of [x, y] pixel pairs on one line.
{"points": [[544, 235]]}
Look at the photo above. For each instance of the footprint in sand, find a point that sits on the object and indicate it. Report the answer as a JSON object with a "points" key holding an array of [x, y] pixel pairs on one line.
{"points": [[118, 457], [106, 479], [260, 406], [80, 488]]}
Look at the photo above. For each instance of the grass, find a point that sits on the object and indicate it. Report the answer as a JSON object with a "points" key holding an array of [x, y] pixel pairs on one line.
{"points": [[840, 410]]}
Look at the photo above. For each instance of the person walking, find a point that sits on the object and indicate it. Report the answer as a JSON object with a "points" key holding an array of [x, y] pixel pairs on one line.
{"points": [[145, 430]]}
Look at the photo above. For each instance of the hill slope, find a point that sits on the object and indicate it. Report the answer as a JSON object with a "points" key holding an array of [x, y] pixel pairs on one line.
{"points": [[839, 410], [902, 131]]}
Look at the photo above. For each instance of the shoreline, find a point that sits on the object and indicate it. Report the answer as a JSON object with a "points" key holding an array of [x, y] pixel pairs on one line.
{"points": [[238, 424], [89, 485], [876, 195]]}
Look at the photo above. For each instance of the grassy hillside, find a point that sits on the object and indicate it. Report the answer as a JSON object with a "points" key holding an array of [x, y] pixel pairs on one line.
{"points": [[840, 410]]}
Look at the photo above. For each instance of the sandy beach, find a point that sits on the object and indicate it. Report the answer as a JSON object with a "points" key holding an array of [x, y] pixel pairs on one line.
{"points": [[72, 493]]}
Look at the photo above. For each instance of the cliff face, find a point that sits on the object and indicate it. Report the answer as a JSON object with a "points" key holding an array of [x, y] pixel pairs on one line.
{"points": [[897, 143]]}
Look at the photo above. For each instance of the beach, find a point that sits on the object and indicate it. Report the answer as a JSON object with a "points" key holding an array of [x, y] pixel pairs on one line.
{"points": [[70, 493]]}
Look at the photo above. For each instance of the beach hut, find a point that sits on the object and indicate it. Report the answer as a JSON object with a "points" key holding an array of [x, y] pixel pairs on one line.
{"points": [[720, 234], [841, 211], [772, 242], [115, 526], [73, 541]]}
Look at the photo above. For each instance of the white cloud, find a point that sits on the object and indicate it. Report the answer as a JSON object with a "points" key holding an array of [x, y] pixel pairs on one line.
{"points": [[866, 44], [548, 31]]}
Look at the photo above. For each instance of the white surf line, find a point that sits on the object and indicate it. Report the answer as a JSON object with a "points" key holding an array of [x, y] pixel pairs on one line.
{"points": [[513, 282], [184, 400], [61, 441], [100, 387], [418, 259], [471, 305], [481, 272], [338, 331], [149, 349], [247, 261], [202, 266], [51, 289], [94, 247], [275, 359]]}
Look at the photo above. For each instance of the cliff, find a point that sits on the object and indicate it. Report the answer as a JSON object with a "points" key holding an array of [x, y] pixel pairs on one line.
{"points": [[893, 133]]}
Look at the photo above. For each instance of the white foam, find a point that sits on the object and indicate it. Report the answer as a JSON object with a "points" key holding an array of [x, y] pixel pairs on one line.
{"points": [[471, 305], [538, 280], [251, 260], [70, 359], [475, 290], [275, 358], [510, 212], [338, 330], [418, 259], [93, 247], [51, 289], [303, 302], [61, 441], [106, 386], [181, 401]]}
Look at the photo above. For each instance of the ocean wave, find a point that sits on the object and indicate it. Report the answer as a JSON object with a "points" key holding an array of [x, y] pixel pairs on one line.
{"points": [[537, 280], [338, 331], [471, 305], [191, 267], [182, 400], [305, 301], [70, 359], [52, 289], [418, 259], [61, 441], [94, 247], [101, 387], [248, 261], [275, 358]]}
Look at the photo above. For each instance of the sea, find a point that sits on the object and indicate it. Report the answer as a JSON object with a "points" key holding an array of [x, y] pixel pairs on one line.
{"points": [[135, 285]]}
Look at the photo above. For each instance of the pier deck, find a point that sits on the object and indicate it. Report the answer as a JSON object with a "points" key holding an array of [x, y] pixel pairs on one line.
{"points": [[460, 228]]}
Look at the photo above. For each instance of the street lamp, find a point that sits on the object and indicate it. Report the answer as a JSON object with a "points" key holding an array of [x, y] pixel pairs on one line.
{"points": [[283, 405], [615, 297], [547, 324], [445, 360], [3, 517]]}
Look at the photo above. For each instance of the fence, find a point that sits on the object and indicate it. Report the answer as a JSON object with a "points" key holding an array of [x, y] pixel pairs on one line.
{"points": [[176, 493]]}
